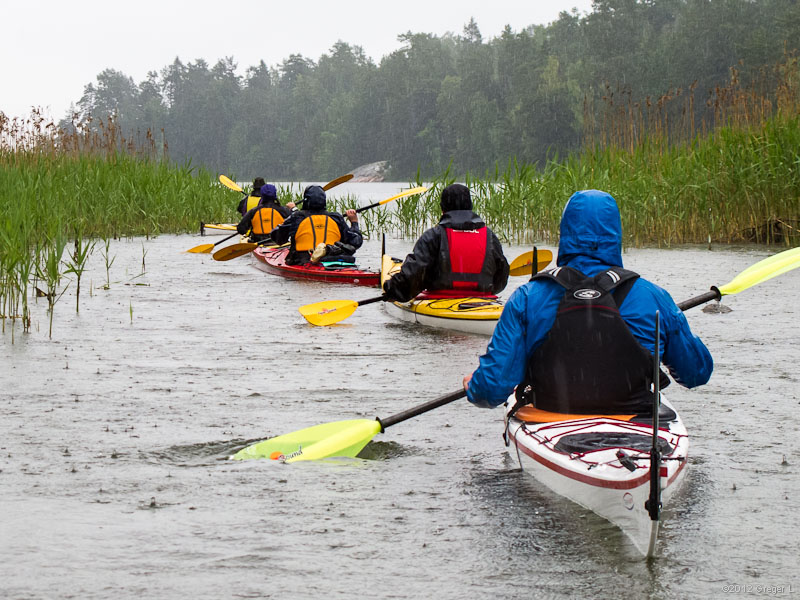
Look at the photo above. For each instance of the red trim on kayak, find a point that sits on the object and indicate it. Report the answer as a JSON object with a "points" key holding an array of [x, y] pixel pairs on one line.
{"points": [[439, 294], [273, 260], [603, 483]]}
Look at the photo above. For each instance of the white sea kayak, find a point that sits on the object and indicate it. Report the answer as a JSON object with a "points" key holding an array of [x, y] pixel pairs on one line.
{"points": [[602, 462], [477, 313]]}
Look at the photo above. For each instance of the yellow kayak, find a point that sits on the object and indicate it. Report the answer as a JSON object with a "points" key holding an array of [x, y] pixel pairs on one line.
{"points": [[217, 228], [446, 310]]}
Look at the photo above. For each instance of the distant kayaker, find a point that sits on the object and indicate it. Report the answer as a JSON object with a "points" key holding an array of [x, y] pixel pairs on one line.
{"points": [[267, 215], [560, 341], [459, 254], [250, 201], [312, 227]]}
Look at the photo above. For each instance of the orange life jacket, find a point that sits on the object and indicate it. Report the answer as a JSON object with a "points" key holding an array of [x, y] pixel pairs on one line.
{"points": [[265, 219], [316, 229]]}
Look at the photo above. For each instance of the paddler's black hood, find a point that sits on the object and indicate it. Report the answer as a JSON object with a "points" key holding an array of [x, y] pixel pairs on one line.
{"points": [[461, 220], [314, 199]]}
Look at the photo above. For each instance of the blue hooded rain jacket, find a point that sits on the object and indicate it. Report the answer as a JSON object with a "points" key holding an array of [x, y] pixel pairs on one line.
{"points": [[590, 241]]}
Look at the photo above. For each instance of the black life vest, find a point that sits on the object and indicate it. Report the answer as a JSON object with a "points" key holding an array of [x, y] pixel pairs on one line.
{"points": [[466, 261], [590, 362]]}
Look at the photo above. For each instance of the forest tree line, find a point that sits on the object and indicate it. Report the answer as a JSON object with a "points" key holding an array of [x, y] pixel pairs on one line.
{"points": [[457, 102]]}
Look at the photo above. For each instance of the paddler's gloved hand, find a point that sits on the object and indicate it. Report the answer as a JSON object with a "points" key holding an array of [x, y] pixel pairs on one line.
{"points": [[391, 291]]}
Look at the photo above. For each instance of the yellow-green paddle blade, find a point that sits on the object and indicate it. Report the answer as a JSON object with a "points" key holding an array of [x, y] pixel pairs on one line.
{"points": [[411, 192], [762, 271], [333, 183], [234, 251], [229, 184], [201, 249], [340, 438], [328, 312], [522, 265]]}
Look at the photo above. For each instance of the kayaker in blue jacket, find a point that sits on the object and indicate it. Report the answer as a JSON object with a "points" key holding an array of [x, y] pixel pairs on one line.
{"points": [[313, 226], [590, 242], [460, 254]]}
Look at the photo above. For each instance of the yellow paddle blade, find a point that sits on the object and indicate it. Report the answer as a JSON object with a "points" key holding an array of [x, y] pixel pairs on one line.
{"points": [[340, 438], [229, 184], [328, 312], [234, 251], [201, 249], [333, 183], [762, 271], [411, 192], [522, 265]]}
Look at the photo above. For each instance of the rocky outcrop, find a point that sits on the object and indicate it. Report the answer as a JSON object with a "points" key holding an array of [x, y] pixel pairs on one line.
{"points": [[373, 172]]}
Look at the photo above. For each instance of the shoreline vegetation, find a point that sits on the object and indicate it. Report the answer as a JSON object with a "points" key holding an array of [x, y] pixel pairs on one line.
{"points": [[66, 193]]}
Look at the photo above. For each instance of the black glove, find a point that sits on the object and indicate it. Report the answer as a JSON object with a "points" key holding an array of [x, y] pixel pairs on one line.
{"points": [[391, 291]]}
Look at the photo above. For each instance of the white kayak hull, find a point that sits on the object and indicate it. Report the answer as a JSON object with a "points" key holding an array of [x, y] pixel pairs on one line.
{"points": [[596, 478], [405, 312]]}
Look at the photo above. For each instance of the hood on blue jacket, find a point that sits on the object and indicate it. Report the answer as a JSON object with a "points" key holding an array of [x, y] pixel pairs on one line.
{"points": [[591, 230], [314, 199]]}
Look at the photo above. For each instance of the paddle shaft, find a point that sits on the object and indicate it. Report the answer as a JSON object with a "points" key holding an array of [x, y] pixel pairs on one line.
{"points": [[373, 205], [225, 239], [372, 300], [422, 408], [653, 504], [714, 294]]}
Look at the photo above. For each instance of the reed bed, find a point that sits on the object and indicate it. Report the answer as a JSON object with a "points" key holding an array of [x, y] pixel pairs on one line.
{"points": [[59, 187], [726, 170], [723, 171]]}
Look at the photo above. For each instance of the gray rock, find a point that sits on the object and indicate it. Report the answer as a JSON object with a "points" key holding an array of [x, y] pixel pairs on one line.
{"points": [[372, 172], [717, 308]]}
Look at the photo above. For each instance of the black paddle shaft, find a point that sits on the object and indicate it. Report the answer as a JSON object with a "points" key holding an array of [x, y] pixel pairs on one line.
{"points": [[372, 300], [714, 294], [418, 410], [235, 233], [653, 503]]}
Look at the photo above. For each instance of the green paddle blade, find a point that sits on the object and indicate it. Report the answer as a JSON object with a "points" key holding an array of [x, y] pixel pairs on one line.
{"points": [[234, 251], [340, 438], [328, 312], [522, 265], [201, 249], [762, 271]]}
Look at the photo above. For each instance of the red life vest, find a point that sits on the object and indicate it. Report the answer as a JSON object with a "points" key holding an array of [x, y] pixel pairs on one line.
{"points": [[465, 261]]}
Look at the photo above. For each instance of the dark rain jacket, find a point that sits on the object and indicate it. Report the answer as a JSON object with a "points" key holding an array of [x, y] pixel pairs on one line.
{"points": [[591, 242], [424, 268], [313, 205]]}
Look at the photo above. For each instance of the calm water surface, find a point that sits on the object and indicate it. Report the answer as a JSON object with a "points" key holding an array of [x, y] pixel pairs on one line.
{"points": [[115, 433]]}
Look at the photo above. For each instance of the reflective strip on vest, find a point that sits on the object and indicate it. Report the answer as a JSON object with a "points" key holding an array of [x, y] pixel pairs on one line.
{"points": [[467, 256], [316, 229], [265, 219]]}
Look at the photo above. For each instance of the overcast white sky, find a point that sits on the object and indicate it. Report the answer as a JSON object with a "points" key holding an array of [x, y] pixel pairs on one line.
{"points": [[51, 49]]}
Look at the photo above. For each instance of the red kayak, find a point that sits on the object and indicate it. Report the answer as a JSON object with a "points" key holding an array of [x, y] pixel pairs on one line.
{"points": [[273, 260]]}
